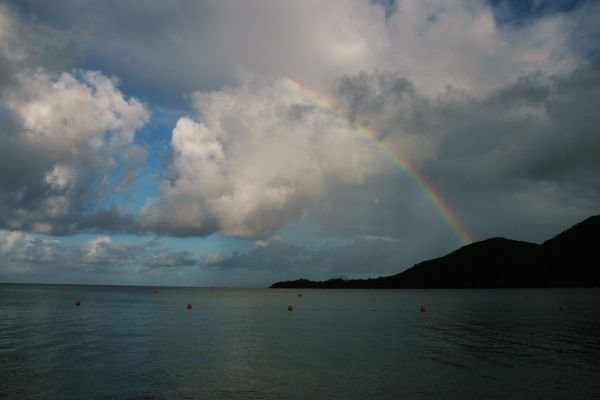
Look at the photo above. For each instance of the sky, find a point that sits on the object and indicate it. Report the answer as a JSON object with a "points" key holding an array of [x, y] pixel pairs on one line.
{"points": [[239, 143]]}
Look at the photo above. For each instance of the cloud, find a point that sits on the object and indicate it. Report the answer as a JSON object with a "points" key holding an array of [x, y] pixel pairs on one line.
{"points": [[539, 126], [460, 44], [68, 137], [273, 254], [202, 44], [102, 251], [19, 247], [168, 258], [484, 153], [262, 155], [24, 254], [28, 253], [491, 113], [258, 156], [435, 43], [462, 90], [26, 46], [364, 255]]}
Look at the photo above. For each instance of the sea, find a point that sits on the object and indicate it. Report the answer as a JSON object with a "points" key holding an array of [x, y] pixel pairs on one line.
{"points": [[126, 342]]}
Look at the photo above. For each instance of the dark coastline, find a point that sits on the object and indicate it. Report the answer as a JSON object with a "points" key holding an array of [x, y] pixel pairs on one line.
{"points": [[570, 259]]}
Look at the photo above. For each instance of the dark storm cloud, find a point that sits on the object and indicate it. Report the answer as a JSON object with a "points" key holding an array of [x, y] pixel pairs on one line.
{"points": [[535, 137], [388, 95], [121, 36], [25, 44], [192, 45], [538, 128]]}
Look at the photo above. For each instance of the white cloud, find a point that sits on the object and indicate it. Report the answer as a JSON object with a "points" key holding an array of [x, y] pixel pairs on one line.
{"points": [[458, 43], [70, 115], [21, 248], [69, 133], [260, 153], [27, 253]]}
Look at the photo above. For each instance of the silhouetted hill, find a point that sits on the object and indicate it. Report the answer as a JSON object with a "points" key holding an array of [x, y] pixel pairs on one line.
{"points": [[494, 262], [577, 250], [570, 259]]}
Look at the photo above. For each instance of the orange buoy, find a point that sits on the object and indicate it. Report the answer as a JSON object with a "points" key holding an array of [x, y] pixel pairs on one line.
{"points": [[563, 307], [77, 302], [290, 308], [423, 309], [189, 306]]}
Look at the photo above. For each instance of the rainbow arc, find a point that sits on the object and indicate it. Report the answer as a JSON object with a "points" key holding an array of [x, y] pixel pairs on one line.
{"points": [[428, 189]]}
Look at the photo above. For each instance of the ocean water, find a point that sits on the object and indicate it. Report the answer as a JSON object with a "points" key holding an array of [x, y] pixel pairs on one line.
{"points": [[142, 343]]}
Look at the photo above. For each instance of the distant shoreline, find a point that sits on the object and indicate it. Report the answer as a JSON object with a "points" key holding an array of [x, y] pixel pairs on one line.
{"points": [[294, 287], [571, 259]]}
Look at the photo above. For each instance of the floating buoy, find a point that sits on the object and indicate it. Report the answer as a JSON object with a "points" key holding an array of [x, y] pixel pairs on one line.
{"points": [[77, 302], [299, 294], [423, 309], [563, 307], [189, 306], [290, 308]]}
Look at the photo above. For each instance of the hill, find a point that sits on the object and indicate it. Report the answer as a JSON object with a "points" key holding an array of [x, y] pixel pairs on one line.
{"points": [[570, 259]]}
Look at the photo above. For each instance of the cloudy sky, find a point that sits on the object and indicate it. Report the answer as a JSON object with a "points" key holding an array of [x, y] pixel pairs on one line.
{"points": [[236, 143]]}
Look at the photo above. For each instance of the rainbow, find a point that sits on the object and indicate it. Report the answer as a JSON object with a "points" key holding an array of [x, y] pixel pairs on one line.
{"points": [[431, 193]]}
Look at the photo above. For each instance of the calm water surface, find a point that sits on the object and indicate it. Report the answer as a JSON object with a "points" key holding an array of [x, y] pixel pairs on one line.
{"points": [[142, 343]]}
